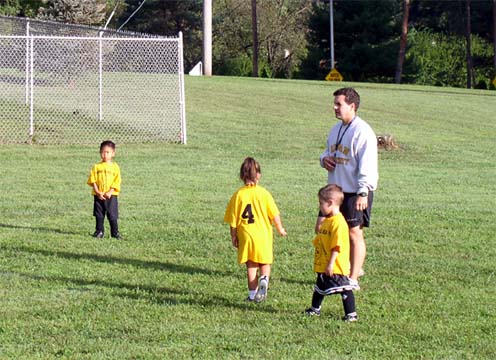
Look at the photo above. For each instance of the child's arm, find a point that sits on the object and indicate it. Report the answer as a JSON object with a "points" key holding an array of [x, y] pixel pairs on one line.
{"points": [[320, 220], [234, 237], [100, 195], [279, 227], [330, 266], [109, 193]]}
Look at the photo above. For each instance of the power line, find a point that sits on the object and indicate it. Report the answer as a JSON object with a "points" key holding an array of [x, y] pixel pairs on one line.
{"points": [[130, 16]]}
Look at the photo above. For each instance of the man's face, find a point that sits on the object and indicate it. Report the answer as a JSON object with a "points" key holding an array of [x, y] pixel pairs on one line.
{"points": [[343, 111]]}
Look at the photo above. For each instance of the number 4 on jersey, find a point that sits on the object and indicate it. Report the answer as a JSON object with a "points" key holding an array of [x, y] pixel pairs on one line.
{"points": [[248, 214]]}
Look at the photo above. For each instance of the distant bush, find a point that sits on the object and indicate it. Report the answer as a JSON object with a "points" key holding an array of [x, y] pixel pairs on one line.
{"points": [[440, 60]]}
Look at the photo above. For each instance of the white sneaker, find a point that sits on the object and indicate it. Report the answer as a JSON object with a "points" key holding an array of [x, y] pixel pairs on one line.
{"points": [[261, 295]]}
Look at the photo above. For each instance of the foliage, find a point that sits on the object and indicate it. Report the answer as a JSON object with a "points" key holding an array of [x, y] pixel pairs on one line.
{"points": [[171, 289], [87, 12], [168, 18], [437, 59], [27, 8], [365, 40], [281, 28]]}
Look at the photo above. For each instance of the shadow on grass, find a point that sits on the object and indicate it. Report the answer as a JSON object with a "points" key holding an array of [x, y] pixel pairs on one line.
{"points": [[156, 265], [160, 295], [42, 229]]}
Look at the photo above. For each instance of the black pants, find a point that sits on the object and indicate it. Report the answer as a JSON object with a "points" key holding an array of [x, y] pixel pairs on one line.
{"points": [[110, 208]]}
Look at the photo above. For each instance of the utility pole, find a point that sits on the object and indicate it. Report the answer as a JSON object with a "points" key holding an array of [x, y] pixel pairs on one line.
{"points": [[331, 32], [207, 37]]}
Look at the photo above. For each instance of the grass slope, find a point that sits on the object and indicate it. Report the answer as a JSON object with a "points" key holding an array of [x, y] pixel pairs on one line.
{"points": [[172, 288]]}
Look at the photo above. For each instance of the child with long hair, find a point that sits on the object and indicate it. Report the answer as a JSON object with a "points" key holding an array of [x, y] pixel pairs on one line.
{"points": [[250, 215]]}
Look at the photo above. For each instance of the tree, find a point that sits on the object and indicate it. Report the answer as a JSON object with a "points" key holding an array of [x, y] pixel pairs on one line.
{"points": [[494, 37], [24, 8], [254, 29], [403, 41], [168, 18], [87, 12], [468, 45], [365, 37], [281, 30]]}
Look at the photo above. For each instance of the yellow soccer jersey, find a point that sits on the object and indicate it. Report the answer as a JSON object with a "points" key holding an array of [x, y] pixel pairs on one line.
{"points": [[251, 211], [105, 176], [333, 234]]}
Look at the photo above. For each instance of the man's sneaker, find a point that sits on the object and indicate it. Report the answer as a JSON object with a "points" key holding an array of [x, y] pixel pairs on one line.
{"points": [[353, 284], [98, 234], [350, 318], [261, 294], [249, 299], [312, 312], [117, 236]]}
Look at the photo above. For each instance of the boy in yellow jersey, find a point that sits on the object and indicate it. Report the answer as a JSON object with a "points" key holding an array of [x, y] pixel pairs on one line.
{"points": [[332, 255], [105, 180], [250, 214]]}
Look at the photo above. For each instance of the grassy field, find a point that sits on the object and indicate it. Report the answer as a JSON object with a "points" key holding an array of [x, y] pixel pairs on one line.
{"points": [[171, 289]]}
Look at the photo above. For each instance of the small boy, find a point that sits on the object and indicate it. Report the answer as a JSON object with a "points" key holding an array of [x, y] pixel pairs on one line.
{"points": [[105, 179], [332, 255]]}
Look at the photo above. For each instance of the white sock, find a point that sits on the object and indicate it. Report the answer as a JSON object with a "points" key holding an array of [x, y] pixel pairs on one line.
{"points": [[252, 293]]}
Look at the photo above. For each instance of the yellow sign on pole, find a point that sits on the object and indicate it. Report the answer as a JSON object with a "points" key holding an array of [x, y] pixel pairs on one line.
{"points": [[334, 75]]}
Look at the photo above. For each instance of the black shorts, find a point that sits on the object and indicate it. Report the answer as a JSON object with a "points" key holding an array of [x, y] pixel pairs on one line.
{"points": [[353, 216], [328, 285], [109, 207]]}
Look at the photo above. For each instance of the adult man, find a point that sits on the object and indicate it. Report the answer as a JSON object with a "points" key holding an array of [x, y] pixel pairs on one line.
{"points": [[351, 161]]}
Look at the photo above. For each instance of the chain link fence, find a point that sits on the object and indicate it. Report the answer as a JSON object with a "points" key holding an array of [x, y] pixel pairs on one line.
{"points": [[75, 89]]}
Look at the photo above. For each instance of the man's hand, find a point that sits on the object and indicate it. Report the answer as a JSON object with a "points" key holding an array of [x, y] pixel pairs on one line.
{"points": [[329, 163]]}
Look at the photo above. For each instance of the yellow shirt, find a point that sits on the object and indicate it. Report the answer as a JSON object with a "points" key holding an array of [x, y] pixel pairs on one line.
{"points": [[106, 176], [251, 211], [333, 234]]}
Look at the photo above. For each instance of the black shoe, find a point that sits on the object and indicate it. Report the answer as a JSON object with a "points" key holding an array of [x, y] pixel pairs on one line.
{"points": [[117, 236], [98, 234]]}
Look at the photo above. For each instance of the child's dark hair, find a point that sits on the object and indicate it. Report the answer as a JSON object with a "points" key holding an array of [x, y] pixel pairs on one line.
{"points": [[108, 143], [332, 192], [249, 169]]}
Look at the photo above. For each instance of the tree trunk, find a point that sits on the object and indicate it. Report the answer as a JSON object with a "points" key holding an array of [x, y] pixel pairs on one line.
{"points": [[494, 36], [469, 45], [255, 37], [403, 41]]}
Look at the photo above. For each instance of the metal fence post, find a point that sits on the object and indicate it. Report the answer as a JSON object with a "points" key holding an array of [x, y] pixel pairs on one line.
{"points": [[27, 64], [181, 87], [100, 77], [31, 100]]}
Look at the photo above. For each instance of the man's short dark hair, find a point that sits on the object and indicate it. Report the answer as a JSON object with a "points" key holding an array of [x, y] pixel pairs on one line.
{"points": [[108, 143], [350, 96]]}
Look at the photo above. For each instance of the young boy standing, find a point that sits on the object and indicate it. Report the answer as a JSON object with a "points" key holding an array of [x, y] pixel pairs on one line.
{"points": [[332, 255], [105, 179]]}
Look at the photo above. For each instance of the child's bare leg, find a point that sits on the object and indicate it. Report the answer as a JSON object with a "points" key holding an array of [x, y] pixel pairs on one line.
{"points": [[251, 272], [265, 270]]}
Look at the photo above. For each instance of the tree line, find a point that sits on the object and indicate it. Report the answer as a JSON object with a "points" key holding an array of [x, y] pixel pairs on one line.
{"points": [[443, 43]]}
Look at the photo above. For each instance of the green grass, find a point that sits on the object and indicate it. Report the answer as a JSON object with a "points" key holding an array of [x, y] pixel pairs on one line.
{"points": [[172, 287]]}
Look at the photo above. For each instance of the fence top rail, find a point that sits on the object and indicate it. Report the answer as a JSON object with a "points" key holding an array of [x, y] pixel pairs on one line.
{"points": [[88, 38]]}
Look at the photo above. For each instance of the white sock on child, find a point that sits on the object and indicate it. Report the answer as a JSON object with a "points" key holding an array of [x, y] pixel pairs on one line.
{"points": [[252, 293]]}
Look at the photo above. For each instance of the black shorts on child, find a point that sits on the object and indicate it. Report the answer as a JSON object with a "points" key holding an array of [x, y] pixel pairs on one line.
{"points": [[328, 285]]}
